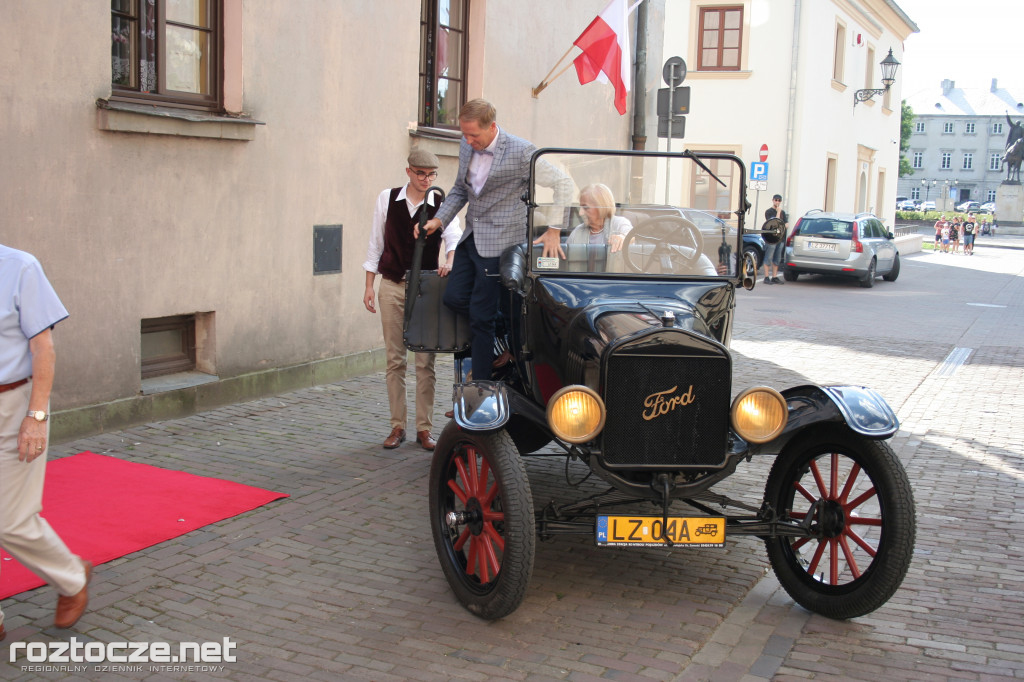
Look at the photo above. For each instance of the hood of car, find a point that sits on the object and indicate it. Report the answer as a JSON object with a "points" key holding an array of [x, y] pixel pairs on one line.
{"points": [[579, 319]]}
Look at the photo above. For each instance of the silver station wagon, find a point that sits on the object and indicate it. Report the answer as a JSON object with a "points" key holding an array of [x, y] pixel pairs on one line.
{"points": [[843, 245]]}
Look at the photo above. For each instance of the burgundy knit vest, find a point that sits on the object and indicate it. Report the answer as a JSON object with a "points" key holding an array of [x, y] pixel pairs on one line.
{"points": [[396, 258]]}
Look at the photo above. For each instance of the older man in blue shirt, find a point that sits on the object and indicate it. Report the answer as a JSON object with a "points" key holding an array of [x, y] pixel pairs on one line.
{"points": [[29, 308]]}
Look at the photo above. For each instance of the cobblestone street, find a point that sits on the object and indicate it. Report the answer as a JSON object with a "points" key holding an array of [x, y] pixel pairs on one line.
{"points": [[340, 581]]}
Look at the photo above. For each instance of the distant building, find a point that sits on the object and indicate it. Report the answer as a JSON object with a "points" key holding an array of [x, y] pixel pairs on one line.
{"points": [[957, 143], [783, 76]]}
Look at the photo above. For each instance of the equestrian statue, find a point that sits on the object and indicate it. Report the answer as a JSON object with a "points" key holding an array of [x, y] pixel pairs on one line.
{"points": [[1014, 153]]}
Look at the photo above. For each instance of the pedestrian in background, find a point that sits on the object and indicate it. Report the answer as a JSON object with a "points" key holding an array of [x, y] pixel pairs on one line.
{"points": [[970, 228], [389, 254], [774, 254], [954, 235], [939, 224], [29, 309]]}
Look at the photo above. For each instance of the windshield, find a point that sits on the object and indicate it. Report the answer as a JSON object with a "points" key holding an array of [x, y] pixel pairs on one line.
{"points": [[636, 213]]}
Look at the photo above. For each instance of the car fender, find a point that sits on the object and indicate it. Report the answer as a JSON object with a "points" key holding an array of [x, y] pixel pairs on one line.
{"points": [[861, 409], [487, 405]]}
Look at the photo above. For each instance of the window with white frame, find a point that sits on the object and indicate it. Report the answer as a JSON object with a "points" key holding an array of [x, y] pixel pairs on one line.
{"points": [[968, 160], [991, 195], [997, 128], [919, 127], [995, 161], [947, 161], [947, 128], [915, 193], [918, 159], [969, 128]]}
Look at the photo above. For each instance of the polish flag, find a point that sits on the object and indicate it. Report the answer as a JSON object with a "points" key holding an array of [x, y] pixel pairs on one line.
{"points": [[606, 56]]}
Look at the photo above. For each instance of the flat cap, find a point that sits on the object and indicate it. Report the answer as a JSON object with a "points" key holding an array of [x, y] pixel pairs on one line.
{"points": [[421, 158]]}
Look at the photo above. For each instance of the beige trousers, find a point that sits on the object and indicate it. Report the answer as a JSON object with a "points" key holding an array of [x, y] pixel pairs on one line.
{"points": [[391, 301], [23, 533]]}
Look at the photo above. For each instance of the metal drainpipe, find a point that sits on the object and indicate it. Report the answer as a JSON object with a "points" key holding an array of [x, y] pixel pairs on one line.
{"points": [[792, 102], [640, 80]]}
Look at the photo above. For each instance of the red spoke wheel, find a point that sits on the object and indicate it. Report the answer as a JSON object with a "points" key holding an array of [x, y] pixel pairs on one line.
{"points": [[861, 510], [481, 513]]}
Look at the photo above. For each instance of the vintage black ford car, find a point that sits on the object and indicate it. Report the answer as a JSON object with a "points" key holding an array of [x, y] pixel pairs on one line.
{"points": [[620, 359]]}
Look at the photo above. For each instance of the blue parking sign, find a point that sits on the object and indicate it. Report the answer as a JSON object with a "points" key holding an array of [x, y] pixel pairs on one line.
{"points": [[759, 170]]}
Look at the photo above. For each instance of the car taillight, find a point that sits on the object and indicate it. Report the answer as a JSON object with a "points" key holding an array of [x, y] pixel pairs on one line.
{"points": [[857, 247], [796, 230]]}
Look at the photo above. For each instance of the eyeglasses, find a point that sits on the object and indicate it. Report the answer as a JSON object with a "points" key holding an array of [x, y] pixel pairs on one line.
{"points": [[425, 175]]}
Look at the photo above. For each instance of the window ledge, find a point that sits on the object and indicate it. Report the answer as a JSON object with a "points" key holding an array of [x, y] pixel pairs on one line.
{"points": [[730, 75], [443, 134], [174, 382], [127, 117]]}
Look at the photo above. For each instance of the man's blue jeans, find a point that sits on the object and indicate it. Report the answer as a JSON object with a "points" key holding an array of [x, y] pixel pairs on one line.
{"points": [[474, 290]]}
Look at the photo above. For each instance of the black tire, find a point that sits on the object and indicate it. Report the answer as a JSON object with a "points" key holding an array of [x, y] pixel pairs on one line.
{"points": [[790, 275], [895, 272], [756, 252], [487, 556], [869, 279], [865, 525]]}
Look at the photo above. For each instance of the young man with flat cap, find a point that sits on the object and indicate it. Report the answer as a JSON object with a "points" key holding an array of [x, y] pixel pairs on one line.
{"points": [[389, 254]]}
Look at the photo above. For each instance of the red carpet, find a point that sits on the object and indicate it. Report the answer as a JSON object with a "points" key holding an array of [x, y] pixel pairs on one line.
{"points": [[104, 507]]}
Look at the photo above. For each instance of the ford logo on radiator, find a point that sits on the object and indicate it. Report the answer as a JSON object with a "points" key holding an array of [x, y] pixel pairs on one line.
{"points": [[663, 402]]}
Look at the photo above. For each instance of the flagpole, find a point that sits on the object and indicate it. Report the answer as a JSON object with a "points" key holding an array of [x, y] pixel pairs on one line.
{"points": [[545, 82]]}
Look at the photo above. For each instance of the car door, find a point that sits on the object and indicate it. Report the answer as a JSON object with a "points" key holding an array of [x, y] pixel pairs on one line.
{"points": [[885, 248]]}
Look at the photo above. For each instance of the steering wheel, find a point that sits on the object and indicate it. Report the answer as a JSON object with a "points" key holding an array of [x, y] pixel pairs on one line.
{"points": [[671, 241]]}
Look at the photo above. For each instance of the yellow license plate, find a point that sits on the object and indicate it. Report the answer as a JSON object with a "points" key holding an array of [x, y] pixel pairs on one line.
{"points": [[651, 531]]}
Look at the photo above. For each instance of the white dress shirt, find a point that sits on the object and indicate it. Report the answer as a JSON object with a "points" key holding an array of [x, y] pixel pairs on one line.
{"points": [[480, 165], [451, 234]]}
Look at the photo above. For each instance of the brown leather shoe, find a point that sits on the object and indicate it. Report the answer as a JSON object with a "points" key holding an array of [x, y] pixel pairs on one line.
{"points": [[425, 441], [449, 414], [70, 609], [396, 438]]}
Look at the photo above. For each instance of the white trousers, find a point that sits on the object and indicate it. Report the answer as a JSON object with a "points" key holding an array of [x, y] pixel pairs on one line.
{"points": [[23, 533]]}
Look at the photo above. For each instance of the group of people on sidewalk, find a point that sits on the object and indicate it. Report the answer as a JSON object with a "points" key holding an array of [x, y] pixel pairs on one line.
{"points": [[950, 233]]}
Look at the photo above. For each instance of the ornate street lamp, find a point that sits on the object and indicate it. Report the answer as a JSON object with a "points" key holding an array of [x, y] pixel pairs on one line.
{"points": [[928, 188], [889, 66]]}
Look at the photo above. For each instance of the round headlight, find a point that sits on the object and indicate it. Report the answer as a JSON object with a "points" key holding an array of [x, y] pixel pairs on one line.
{"points": [[576, 414], [759, 414]]}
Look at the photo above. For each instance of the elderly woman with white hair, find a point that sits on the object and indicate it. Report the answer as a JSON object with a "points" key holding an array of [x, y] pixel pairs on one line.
{"points": [[600, 224]]}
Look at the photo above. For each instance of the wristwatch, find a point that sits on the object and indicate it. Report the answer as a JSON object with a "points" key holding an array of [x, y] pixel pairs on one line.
{"points": [[38, 415]]}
